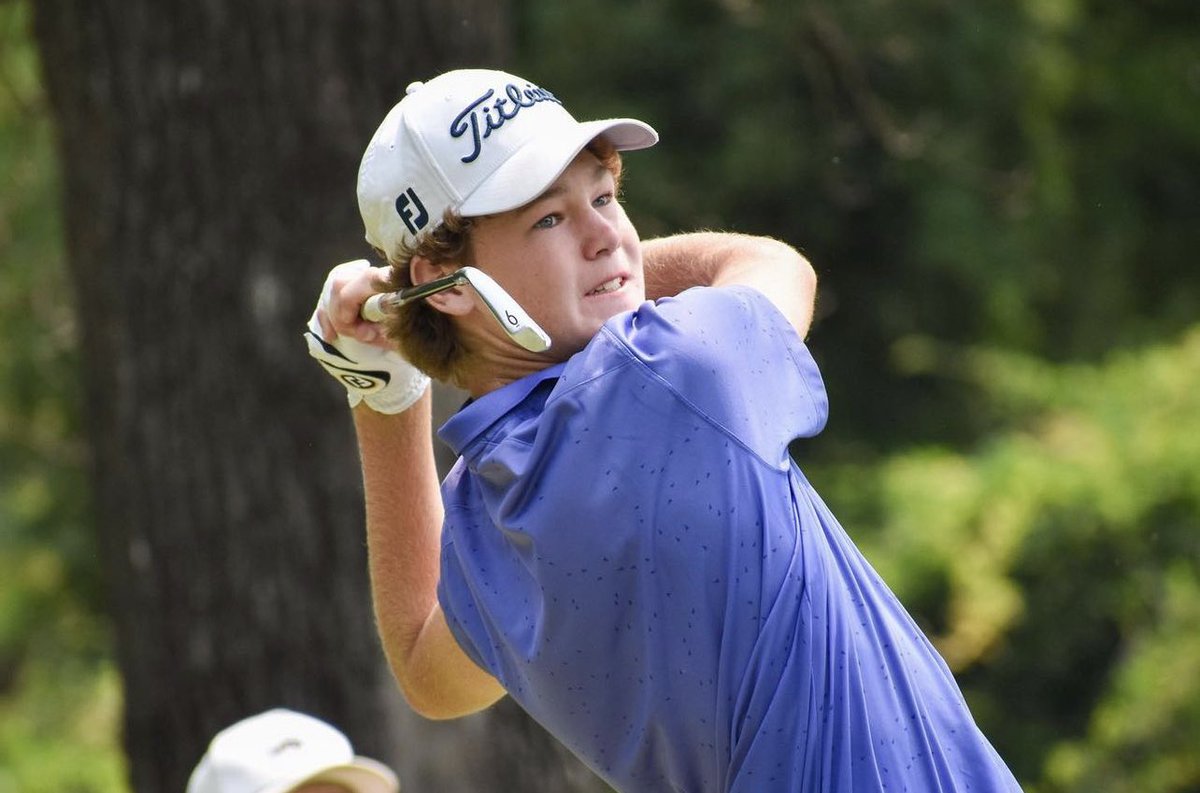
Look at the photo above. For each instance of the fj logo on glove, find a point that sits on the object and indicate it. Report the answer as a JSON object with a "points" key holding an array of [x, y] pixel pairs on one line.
{"points": [[359, 382], [412, 211]]}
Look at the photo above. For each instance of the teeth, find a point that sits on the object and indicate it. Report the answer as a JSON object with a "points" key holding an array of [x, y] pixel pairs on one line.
{"points": [[607, 286]]}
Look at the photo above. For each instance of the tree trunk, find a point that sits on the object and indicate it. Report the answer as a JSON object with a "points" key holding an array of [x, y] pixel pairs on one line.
{"points": [[209, 151]]}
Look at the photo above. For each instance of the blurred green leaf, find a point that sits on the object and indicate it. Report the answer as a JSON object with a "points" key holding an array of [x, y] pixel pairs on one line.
{"points": [[59, 693]]}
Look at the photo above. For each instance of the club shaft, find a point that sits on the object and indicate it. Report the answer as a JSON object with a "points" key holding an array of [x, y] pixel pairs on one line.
{"points": [[519, 326], [378, 306]]}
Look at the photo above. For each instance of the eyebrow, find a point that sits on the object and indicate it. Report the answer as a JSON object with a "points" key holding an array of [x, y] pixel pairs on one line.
{"points": [[597, 175]]}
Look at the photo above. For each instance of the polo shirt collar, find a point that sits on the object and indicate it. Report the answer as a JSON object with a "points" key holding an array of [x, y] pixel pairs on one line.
{"points": [[461, 430]]}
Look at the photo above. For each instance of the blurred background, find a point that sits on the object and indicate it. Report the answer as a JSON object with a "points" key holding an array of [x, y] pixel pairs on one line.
{"points": [[1001, 199]]}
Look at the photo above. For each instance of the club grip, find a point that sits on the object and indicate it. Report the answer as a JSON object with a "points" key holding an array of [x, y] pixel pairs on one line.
{"points": [[373, 309]]}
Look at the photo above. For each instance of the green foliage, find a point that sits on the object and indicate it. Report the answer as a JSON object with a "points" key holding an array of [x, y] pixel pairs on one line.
{"points": [[56, 730], [59, 698], [1023, 175], [1057, 565], [1142, 736]]}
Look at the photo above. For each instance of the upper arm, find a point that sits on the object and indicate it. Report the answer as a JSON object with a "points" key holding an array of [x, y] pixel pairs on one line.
{"points": [[779, 271], [782, 274]]}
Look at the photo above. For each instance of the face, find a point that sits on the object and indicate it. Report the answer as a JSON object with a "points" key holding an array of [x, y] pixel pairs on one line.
{"points": [[570, 257]]}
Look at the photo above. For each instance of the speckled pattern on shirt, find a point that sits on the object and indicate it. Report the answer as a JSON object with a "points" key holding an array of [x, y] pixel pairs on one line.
{"points": [[629, 548]]}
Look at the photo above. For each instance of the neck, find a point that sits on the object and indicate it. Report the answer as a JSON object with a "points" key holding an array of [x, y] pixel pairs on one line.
{"points": [[494, 360], [483, 382]]}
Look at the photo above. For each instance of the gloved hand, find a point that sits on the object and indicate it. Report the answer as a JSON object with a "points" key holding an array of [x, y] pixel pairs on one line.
{"points": [[380, 377]]}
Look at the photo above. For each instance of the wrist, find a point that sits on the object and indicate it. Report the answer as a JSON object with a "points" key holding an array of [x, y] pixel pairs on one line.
{"points": [[381, 379]]}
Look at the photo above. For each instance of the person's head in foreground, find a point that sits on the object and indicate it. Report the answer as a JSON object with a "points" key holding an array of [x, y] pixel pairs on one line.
{"points": [[282, 751], [483, 168]]}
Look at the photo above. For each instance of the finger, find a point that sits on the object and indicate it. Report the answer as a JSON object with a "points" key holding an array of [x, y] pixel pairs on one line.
{"points": [[351, 293], [327, 330], [344, 313], [367, 332]]}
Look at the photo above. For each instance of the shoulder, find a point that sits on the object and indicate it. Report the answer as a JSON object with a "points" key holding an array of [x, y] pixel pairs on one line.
{"points": [[725, 354], [717, 326], [729, 339]]}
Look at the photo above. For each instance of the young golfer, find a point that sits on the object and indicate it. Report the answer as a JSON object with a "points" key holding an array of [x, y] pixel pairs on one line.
{"points": [[624, 546]]}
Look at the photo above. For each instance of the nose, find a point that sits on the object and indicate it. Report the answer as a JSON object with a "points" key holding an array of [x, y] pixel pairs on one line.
{"points": [[603, 233]]}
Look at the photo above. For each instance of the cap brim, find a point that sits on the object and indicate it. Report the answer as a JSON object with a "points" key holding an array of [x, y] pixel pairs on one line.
{"points": [[364, 775], [535, 166]]}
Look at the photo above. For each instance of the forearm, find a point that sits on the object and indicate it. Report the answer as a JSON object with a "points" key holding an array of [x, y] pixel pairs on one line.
{"points": [[404, 518], [779, 271]]}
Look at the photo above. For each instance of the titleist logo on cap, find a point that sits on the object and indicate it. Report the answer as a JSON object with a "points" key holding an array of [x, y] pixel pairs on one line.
{"points": [[484, 116]]}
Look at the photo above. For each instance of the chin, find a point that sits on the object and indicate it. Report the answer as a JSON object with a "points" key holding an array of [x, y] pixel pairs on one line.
{"points": [[612, 310]]}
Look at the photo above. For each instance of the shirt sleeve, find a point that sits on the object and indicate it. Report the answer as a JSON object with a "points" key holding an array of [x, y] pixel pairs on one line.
{"points": [[734, 357]]}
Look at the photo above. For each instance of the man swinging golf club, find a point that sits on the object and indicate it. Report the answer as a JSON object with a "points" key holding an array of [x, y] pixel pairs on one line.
{"points": [[624, 546]]}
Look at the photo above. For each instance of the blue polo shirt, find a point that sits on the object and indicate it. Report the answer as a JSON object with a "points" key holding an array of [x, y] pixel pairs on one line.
{"points": [[630, 550]]}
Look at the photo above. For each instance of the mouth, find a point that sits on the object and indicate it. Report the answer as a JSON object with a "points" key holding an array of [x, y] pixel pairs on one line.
{"points": [[611, 285]]}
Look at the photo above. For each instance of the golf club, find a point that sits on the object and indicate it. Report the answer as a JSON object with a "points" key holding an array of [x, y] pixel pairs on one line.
{"points": [[516, 323]]}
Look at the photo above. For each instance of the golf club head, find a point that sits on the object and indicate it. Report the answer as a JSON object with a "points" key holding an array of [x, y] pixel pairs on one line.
{"points": [[519, 326]]}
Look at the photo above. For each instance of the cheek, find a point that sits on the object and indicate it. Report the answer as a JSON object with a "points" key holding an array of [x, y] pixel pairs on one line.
{"points": [[629, 238]]}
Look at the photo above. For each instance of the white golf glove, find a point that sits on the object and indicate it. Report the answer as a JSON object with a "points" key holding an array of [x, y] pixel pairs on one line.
{"points": [[381, 378]]}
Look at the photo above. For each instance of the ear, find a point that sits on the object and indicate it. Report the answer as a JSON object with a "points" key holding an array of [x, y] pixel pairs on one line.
{"points": [[452, 301]]}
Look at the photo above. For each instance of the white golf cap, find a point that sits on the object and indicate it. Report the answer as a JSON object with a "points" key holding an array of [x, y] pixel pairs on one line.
{"points": [[280, 750], [474, 141]]}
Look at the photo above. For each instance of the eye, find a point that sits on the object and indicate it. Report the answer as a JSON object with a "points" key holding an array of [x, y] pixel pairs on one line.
{"points": [[550, 221], [604, 200]]}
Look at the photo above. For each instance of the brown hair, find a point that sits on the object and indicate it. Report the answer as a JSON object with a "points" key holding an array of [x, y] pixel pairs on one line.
{"points": [[427, 337]]}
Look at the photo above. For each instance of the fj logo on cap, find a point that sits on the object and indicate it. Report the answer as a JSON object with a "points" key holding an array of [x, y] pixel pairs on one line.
{"points": [[412, 211], [494, 114]]}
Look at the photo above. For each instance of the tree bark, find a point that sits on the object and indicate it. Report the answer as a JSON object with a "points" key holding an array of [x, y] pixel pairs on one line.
{"points": [[209, 151]]}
